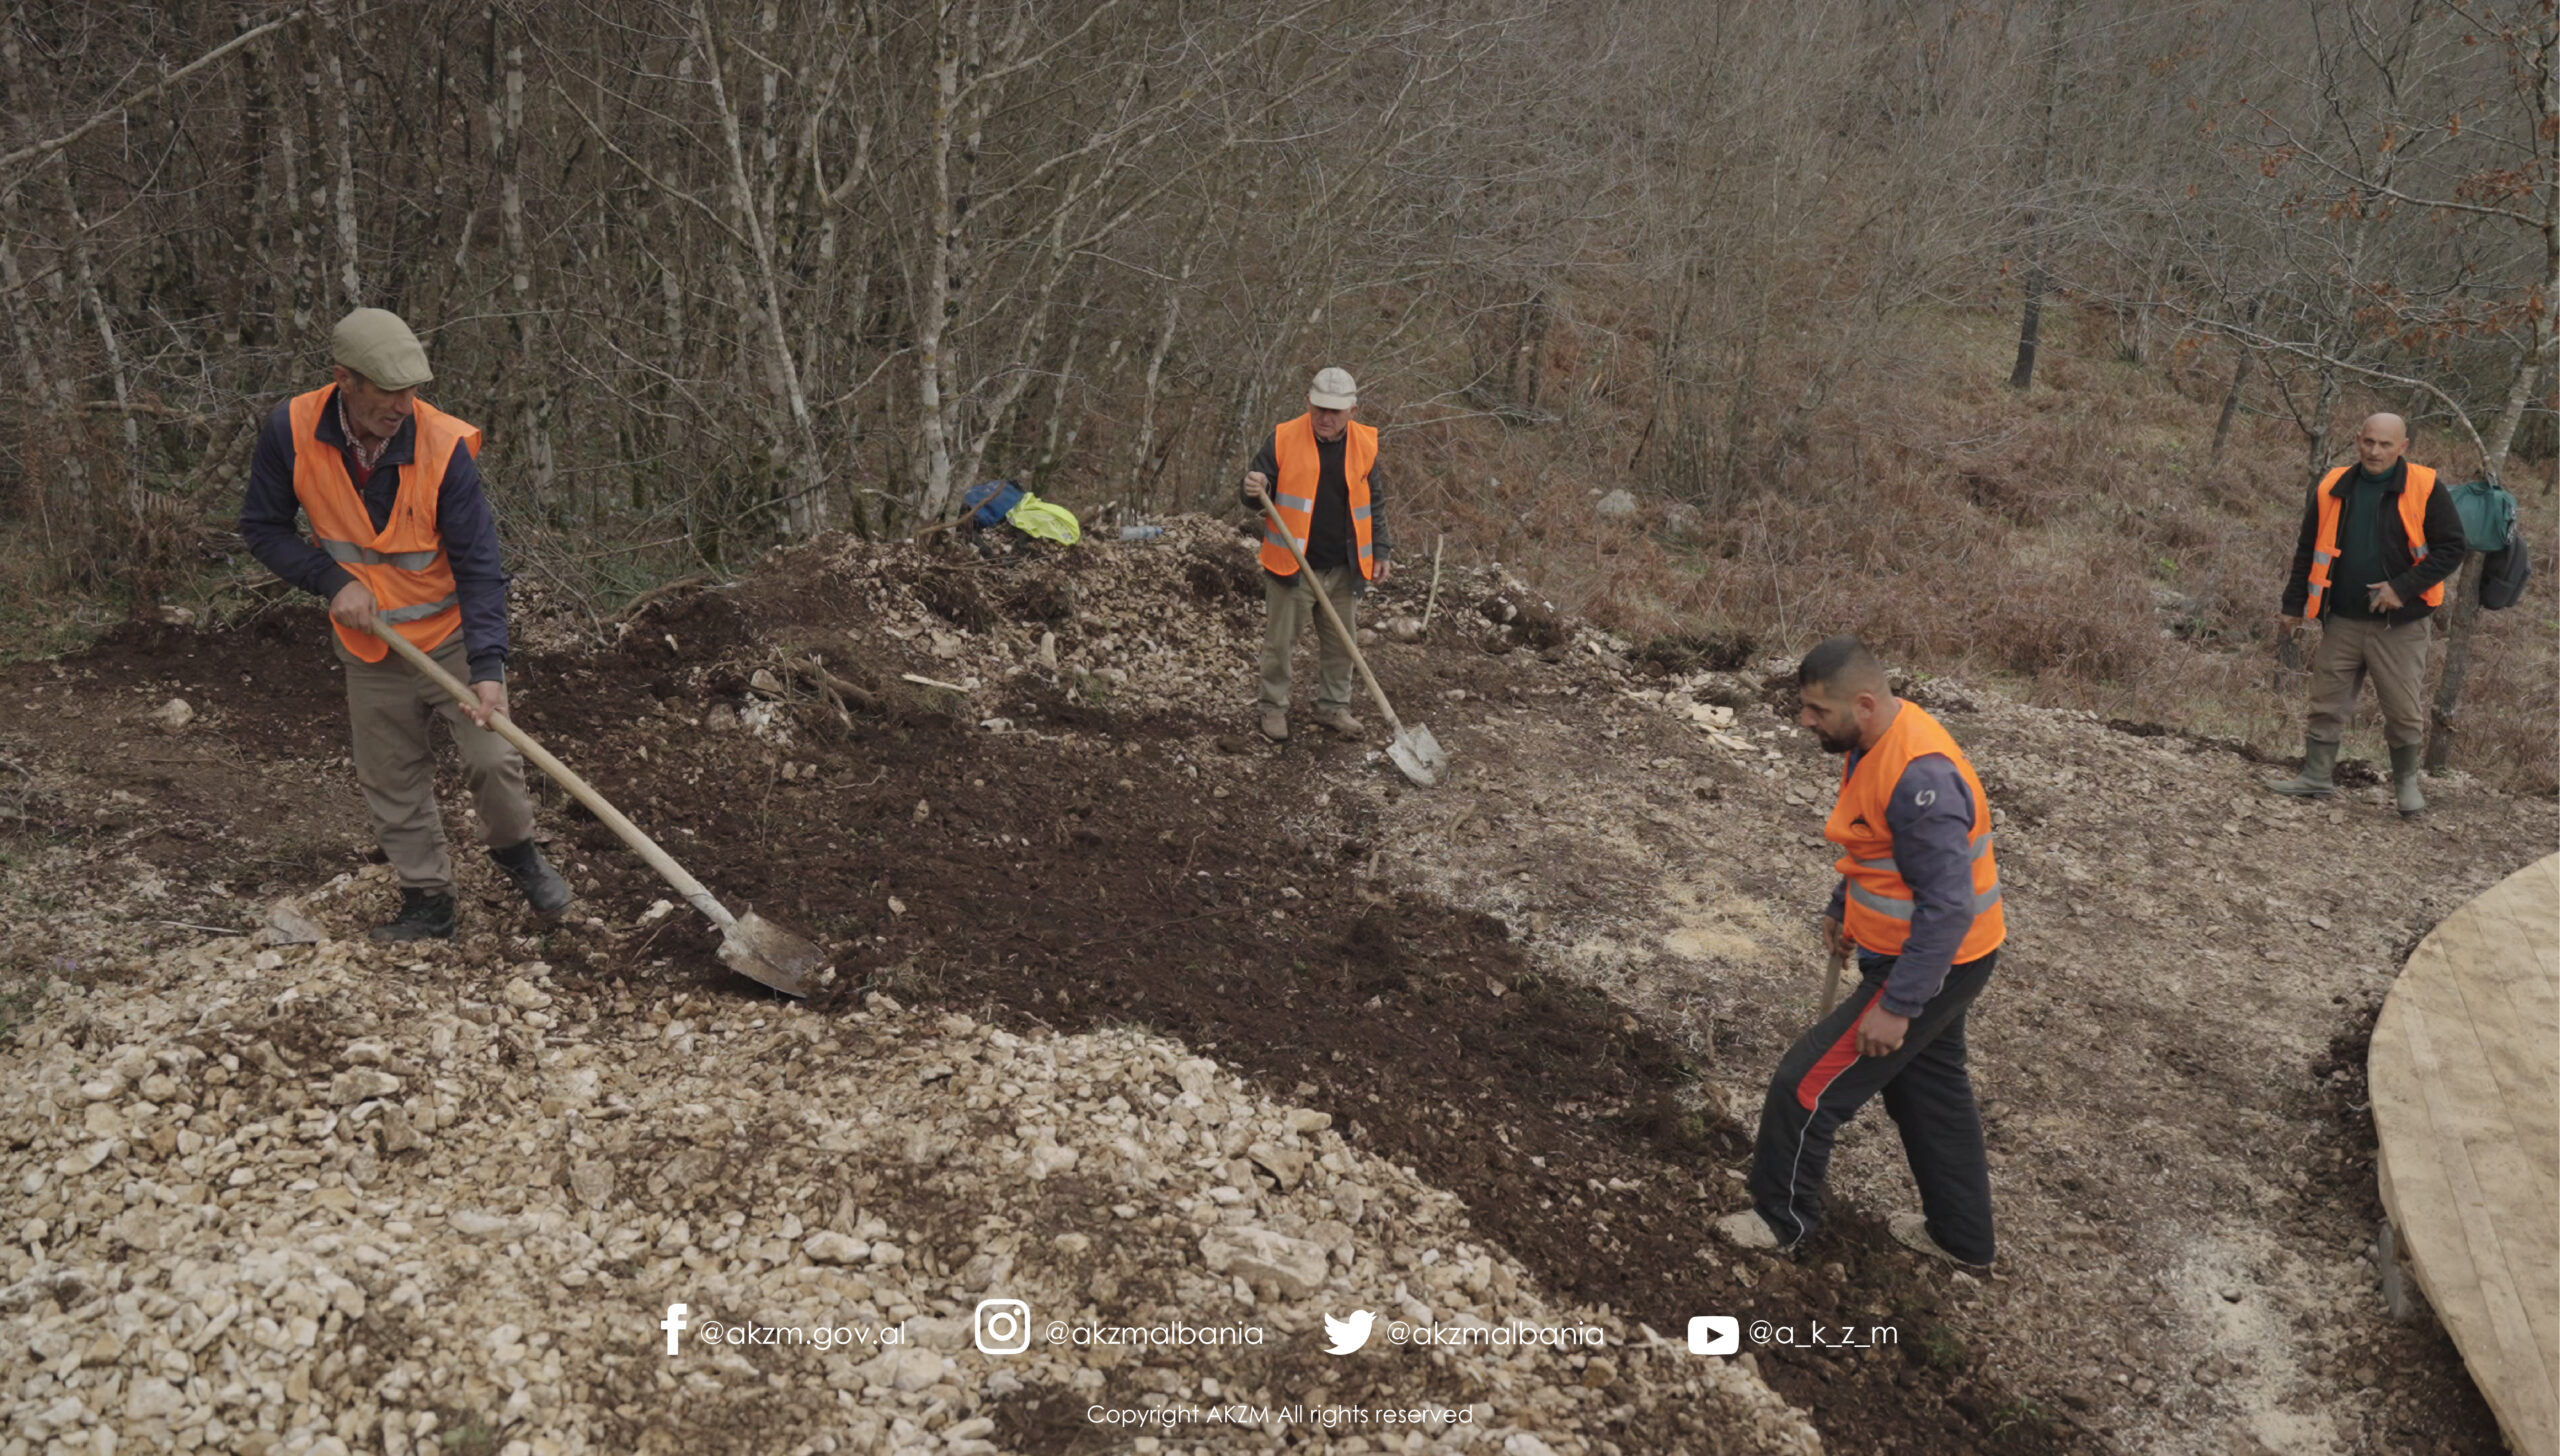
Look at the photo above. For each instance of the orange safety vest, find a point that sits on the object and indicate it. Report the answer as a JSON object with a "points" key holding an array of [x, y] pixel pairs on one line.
{"points": [[1877, 913], [404, 564], [1293, 446], [2413, 519]]}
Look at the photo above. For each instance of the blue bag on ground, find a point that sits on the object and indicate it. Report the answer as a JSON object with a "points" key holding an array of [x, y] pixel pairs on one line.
{"points": [[990, 502]]}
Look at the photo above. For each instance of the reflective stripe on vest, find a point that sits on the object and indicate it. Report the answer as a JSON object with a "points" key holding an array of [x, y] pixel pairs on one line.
{"points": [[403, 563], [350, 551], [1301, 466], [1879, 904], [2421, 484]]}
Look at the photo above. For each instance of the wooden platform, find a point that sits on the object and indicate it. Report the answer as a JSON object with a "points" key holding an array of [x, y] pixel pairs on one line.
{"points": [[2465, 1078]]}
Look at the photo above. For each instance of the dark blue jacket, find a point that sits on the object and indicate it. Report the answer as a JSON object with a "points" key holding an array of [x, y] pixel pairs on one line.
{"points": [[1933, 846], [463, 518]]}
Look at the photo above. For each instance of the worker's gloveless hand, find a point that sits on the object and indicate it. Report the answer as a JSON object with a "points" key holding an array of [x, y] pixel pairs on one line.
{"points": [[352, 607], [493, 699], [1880, 1032], [1256, 488], [1835, 939], [1378, 570], [2385, 599]]}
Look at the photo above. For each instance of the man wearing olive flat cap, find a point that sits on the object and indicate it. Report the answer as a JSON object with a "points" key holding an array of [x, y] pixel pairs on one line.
{"points": [[401, 538]]}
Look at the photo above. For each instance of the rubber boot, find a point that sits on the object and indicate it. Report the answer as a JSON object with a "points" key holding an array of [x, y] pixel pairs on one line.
{"points": [[424, 915], [2319, 770], [2404, 781], [543, 888]]}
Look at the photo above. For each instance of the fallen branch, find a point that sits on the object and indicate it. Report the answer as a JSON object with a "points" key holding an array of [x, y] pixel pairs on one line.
{"points": [[837, 689], [932, 683], [632, 608]]}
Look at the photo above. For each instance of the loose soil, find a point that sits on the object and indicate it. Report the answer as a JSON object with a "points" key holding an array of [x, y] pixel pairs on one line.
{"points": [[1458, 977]]}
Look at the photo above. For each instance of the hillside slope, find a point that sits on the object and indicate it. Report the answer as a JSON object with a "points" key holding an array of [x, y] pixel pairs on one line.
{"points": [[1524, 1017]]}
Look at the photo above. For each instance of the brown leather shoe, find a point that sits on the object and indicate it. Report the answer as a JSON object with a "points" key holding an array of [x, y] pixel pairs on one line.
{"points": [[1275, 725], [1340, 721]]}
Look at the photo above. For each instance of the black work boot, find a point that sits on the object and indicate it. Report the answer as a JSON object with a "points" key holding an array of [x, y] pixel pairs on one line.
{"points": [[424, 915], [543, 888]]}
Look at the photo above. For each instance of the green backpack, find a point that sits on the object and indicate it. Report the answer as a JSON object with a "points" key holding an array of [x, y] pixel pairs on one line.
{"points": [[2488, 514], [2489, 527]]}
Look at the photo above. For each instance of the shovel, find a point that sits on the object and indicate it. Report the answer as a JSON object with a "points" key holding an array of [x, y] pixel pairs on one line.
{"points": [[1412, 749], [1831, 981], [751, 945]]}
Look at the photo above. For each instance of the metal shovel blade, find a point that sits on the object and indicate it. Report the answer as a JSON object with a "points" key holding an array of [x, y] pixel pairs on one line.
{"points": [[1419, 754], [765, 953]]}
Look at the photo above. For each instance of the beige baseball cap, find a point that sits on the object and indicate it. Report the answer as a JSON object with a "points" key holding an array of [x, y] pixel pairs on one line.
{"points": [[1334, 389], [376, 344]]}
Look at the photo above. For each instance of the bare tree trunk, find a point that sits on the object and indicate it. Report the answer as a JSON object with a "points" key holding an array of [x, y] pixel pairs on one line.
{"points": [[84, 273], [806, 508], [533, 373], [931, 366], [2031, 319], [2542, 358], [342, 157], [2230, 407]]}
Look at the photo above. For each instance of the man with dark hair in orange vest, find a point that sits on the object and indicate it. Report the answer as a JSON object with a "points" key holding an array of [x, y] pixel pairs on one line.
{"points": [[401, 538], [1919, 903], [2376, 546], [1324, 464]]}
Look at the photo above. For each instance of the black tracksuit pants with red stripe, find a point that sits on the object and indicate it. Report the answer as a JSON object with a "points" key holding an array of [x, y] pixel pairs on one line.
{"points": [[1822, 1082]]}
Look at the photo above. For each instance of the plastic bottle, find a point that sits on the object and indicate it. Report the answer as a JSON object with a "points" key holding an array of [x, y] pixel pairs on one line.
{"points": [[1140, 533]]}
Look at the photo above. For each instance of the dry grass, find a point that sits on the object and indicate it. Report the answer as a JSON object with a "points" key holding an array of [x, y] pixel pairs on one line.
{"points": [[2070, 543]]}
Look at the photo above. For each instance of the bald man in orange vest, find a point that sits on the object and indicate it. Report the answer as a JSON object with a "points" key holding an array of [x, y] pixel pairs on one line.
{"points": [[1320, 471], [1918, 903], [2378, 540]]}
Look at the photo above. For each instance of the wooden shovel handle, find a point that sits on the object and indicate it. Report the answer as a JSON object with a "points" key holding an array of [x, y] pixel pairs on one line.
{"points": [[631, 834]]}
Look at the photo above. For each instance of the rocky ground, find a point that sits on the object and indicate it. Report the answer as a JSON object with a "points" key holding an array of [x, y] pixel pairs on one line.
{"points": [[1140, 1020]]}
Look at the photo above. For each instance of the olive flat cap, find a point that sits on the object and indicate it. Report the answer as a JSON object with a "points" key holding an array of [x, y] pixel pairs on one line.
{"points": [[376, 344]]}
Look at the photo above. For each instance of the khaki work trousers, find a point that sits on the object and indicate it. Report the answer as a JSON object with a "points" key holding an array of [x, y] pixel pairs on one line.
{"points": [[2352, 649], [1293, 608], [389, 707]]}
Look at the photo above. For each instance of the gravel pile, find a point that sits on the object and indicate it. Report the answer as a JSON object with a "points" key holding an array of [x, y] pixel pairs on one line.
{"points": [[337, 1198]]}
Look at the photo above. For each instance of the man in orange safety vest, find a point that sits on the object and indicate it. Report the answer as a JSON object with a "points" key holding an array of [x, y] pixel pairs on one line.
{"points": [[401, 538]]}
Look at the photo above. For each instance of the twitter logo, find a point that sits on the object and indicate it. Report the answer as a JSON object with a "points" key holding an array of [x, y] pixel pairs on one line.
{"points": [[1345, 1336]]}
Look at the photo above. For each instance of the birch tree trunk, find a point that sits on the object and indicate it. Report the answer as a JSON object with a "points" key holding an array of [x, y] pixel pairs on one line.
{"points": [[2541, 360], [805, 507], [533, 371]]}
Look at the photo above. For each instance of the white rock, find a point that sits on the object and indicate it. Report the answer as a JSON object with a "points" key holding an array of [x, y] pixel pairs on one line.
{"points": [[478, 1224], [361, 1084], [526, 996], [1616, 504], [288, 924], [829, 1247], [1295, 1268], [152, 1398], [174, 715]]}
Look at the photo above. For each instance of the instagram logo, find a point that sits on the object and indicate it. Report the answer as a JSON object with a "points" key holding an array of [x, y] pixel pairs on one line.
{"points": [[1003, 1326]]}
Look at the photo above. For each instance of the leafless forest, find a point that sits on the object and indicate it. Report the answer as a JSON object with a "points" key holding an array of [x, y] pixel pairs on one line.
{"points": [[715, 274]]}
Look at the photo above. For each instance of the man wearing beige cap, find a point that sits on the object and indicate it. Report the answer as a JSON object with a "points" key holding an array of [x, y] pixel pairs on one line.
{"points": [[401, 539], [1320, 472]]}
